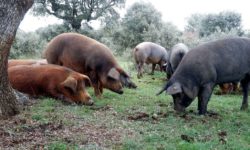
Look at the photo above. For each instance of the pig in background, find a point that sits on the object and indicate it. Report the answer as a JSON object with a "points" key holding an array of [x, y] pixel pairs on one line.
{"points": [[16, 62], [89, 57], [228, 88], [209, 64], [50, 80], [175, 55], [149, 53]]}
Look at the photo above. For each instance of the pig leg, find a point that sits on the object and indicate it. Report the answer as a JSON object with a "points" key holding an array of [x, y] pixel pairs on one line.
{"points": [[100, 87], [139, 69], [161, 67], [235, 86], [244, 84], [203, 98], [98, 90], [153, 69], [96, 84]]}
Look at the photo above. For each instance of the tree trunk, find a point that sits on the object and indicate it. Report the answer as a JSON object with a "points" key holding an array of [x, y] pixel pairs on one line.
{"points": [[11, 14]]}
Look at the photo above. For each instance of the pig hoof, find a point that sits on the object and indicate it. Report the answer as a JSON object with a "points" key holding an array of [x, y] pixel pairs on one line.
{"points": [[202, 113], [99, 96], [244, 107]]}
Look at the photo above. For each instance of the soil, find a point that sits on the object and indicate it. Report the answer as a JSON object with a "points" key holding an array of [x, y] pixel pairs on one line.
{"points": [[22, 132]]}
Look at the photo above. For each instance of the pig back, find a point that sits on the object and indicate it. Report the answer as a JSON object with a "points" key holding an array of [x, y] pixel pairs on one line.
{"points": [[220, 61], [79, 53], [36, 79], [150, 53], [16, 62], [176, 54]]}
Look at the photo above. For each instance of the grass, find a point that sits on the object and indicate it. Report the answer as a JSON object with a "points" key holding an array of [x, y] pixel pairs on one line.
{"points": [[114, 122]]}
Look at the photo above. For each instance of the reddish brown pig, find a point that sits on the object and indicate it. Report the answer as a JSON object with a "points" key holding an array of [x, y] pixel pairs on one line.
{"points": [[50, 80], [227, 88], [15, 62], [88, 56]]}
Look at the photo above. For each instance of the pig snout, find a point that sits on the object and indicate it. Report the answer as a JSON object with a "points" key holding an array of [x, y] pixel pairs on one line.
{"points": [[126, 82], [179, 108], [115, 87], [119, 91], [132, 85], [90, 102], [177, 105]]}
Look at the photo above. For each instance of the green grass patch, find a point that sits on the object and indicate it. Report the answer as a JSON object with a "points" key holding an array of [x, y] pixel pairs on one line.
{"points": [[59, 145]]}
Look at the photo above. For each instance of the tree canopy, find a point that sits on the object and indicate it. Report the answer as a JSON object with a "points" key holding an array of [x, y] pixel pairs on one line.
{"points": [[73, 12], [211, 23], [143, 22]]}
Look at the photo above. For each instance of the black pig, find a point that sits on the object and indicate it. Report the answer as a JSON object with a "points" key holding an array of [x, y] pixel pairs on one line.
{"points": [[209, 64]]}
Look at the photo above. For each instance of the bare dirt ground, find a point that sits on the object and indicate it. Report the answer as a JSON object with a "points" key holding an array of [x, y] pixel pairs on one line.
{"points": [[23, 132]]}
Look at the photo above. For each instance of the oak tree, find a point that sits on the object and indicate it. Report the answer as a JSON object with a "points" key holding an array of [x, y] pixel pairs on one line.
{"points": [[73, 12], [11, 14]]}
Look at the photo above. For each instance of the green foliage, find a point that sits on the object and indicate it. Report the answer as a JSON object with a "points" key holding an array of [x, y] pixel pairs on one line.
{"points": [[138, 20], [208, 24], [49, 32], [143, 22], [170, 35], [74, 12], [220, 35], [194, 23], [247, 33], [224, 21], [90, 32], [32, 44], [27, 45], [192, 39]]}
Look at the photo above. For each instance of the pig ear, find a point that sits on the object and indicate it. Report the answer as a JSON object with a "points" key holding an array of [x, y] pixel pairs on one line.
{"points": [[113, 73], [70, 83], [122, 72], [174, 88], [191, 93], [87, 80]]}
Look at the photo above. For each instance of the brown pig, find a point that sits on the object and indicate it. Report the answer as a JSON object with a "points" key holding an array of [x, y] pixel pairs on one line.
{"points": [[227, 88], [15, 62], [50, 80], [90, 57]]}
